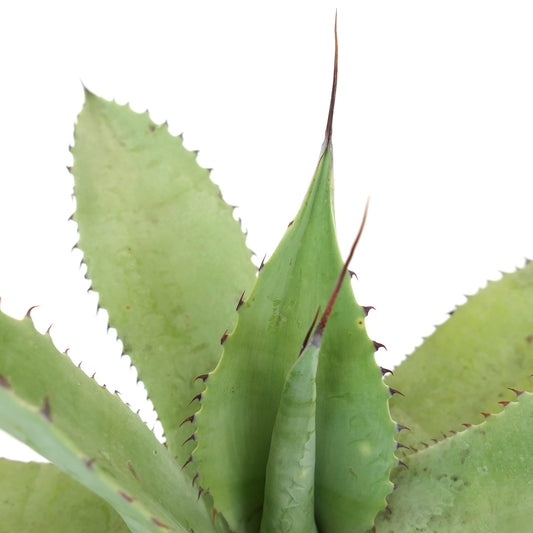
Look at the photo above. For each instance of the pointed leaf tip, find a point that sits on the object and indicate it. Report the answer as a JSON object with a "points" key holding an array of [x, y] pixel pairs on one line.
{"points": [[329, 126]]}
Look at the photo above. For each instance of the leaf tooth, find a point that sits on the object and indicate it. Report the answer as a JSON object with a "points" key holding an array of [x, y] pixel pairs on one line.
{"points": [[27, 315], [203, 377], [399, 427], [505, 403], [516, 391], [385, 371], [196, 476], [401, 463], [188, 419], [395, 391], [367, 308], [191, 438], [224, 337], [466, 424], [378, 345], [262, 264], [241, 301], [486, 415], [4, 382], [187, 462], [197, 397]]}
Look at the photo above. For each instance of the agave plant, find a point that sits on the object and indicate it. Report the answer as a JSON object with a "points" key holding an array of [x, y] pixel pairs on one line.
{"points": [[276, 416]]}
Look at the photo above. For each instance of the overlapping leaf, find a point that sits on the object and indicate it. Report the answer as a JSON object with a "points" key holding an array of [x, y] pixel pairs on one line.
{"points": [[162, 249], [354, 431], [477, 481], [39, 498], [51, 405], [469, 363]]}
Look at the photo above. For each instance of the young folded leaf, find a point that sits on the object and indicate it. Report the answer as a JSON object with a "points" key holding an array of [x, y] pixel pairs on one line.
{"points": [[290, 477]]}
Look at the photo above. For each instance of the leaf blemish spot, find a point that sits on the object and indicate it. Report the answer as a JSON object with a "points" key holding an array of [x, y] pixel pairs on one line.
{"points": [[46, 411]]}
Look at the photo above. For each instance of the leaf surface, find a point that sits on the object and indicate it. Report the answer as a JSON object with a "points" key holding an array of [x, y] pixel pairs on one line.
{"points": [[52, 406], [39, 498], [162, 249], [469, 363], [477, 481]]}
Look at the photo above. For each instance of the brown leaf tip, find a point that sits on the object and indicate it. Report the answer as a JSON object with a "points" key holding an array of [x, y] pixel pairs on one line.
{"points": [[329, 125]]}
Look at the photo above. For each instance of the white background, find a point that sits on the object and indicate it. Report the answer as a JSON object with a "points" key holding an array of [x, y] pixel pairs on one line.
{"points": [[434, 119]]}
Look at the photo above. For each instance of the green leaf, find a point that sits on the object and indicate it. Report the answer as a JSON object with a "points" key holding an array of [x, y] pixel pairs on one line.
{"points": [[162, 249], [477, 481], [51, 405], [355, 441], [466, 366], [39, 498], [289, 503]]}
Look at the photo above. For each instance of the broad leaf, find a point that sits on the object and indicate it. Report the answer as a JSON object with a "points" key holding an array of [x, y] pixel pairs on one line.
{"points": [[354, 432], [51, 405], [477, 481], [162, 249], [39, 498], [469, 363]]}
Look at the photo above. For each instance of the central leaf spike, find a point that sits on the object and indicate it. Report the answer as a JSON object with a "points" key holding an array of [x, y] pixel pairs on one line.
{"points": [[329, 125]]}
